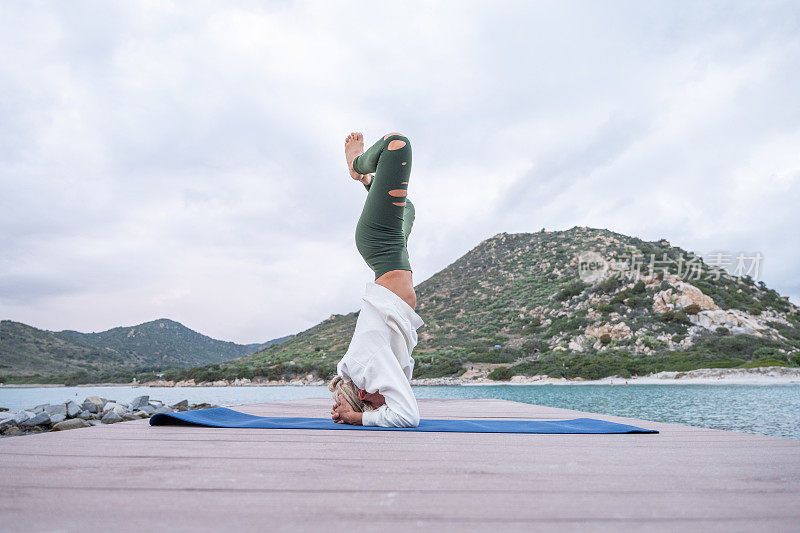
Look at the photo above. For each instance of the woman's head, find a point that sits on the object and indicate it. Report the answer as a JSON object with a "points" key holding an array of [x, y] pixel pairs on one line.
{"points": [[347, 389]]}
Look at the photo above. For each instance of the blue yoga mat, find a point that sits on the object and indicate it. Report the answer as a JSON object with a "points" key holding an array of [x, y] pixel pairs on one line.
{"points": [[220, 417]]}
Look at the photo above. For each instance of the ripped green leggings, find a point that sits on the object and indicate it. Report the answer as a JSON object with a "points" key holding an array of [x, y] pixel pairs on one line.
{"points": [[385, 223]]}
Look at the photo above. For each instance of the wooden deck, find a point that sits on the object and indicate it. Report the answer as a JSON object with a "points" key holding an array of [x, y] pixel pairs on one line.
{"points": [[133, 477]]}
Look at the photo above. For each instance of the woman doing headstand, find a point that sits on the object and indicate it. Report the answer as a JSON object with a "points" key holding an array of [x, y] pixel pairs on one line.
{"points": [[372, 386]]}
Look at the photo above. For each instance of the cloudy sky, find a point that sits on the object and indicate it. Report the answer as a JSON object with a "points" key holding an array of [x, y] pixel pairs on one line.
{"points": [[185, 160]]}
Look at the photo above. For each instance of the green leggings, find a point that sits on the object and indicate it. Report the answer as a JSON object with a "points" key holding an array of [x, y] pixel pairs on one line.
{"points": [[386, 220]]}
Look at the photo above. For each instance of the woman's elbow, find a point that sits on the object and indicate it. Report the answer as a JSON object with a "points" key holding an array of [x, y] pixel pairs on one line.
{"points": [[409, 421]]}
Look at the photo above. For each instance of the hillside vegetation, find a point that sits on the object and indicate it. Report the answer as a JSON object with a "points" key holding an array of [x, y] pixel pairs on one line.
{"points": [[516, 304], [31, 355]]}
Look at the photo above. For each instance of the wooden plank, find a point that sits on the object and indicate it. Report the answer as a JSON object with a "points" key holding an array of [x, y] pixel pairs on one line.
{"points": [[132, 477]]}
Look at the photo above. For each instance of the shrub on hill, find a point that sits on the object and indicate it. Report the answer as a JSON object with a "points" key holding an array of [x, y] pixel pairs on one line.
{"points": [[692, 309], [573, 289], [609, 285], [501, 373], [678, 317], [765, 361], [440, 367]]}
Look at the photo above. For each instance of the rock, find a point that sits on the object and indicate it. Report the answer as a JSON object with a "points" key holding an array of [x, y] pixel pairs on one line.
{"points": [[164, 409], [22, 416], [149, 409], [691, 295], [139, 402], [685, 294], [56, 409], [129, 416], [7, 423], [618, 331], [11, 431], [3, 409], [38, 419], [57, 418], [738, 322], [40, 408], [155, 404], [74, 423], [121, 411], [662, 302], [93, 404], [94, 422], [576, 344], [111, 417], [73, 409], [202, 406], [85, 415], [141, 414], [109, 406], [182, 405]]}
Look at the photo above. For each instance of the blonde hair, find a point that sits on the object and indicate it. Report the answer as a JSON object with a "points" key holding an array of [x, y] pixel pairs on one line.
{"points": [[345, 386]]}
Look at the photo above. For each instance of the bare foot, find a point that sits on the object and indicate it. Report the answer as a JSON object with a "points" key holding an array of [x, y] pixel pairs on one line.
{"points": [[354, 147]]}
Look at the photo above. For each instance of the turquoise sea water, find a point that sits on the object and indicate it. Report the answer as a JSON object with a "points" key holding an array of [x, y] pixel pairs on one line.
{"points": [[762, 409]]}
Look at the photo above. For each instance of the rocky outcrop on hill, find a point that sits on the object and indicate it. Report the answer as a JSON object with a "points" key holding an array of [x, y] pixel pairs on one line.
{"points": [[680, 296], [735, 321]]}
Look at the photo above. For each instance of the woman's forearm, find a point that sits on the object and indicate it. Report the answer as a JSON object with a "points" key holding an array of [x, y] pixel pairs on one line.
{"points": [[386, 417]]}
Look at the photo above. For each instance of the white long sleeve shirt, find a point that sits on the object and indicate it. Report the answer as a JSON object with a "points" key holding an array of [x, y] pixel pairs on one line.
{"points": [[379, 356]]}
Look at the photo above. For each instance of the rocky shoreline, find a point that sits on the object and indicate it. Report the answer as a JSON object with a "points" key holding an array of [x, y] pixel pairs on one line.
{"points": [[92, 412], [771, 375]]}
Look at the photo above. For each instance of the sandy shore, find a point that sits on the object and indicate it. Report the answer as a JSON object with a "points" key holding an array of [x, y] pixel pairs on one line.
{"points": [[773, 375]]}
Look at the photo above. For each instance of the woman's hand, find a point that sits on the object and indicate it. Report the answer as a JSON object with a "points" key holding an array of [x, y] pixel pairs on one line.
{"points": [[342, 413]]}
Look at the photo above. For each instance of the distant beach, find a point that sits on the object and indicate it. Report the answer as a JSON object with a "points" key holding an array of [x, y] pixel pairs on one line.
{"points": [[773, 375]]}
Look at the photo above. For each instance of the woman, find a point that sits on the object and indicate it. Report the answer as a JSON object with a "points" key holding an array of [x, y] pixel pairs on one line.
{"points": [[372, 386]]}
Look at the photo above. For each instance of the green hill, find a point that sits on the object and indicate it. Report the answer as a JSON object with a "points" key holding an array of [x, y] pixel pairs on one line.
{"points": [[516, 303], [28, 354]]}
